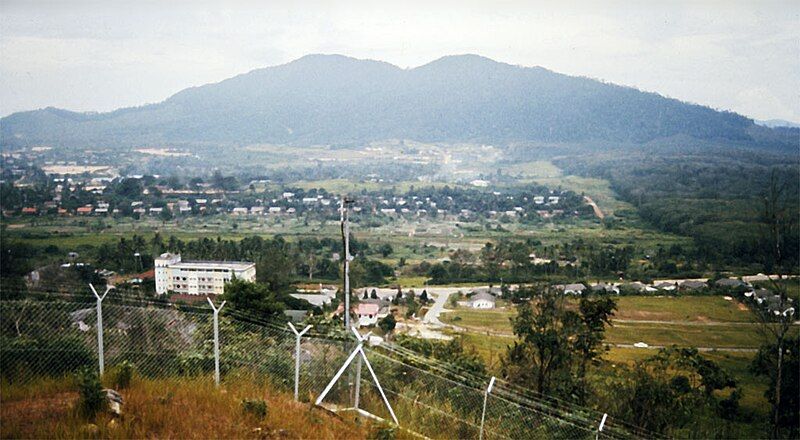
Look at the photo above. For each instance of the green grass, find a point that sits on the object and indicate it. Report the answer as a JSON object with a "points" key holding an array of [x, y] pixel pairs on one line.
{"points": [[495, 320], [730, 326], [682, 308], [716, 336], [535, 169]]}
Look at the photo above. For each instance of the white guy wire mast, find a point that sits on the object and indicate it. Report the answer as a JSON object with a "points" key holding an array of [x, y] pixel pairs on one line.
{"points": [[357, 397], [100, 325], [485, 398], [297, 358], [358, 350], [216, 338]]}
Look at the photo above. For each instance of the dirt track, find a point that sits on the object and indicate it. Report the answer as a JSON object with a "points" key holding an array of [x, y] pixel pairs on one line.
{"points": [[594, 206]]}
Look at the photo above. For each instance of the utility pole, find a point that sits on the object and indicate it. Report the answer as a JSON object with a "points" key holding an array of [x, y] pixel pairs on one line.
{"points": [[346, 243]]}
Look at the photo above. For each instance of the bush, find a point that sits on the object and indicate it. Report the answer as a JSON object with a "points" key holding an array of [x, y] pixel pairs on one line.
{"points": [[54, 356], [256, 407], [92, 398], [382, 433], [124, 375]]}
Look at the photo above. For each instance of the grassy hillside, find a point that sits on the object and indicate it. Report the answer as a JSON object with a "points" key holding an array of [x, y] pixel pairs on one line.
{"points": [[168, 408]]}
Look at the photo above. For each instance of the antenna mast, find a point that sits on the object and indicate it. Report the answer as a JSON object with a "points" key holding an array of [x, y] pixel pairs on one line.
{"points": [[346, 242]]}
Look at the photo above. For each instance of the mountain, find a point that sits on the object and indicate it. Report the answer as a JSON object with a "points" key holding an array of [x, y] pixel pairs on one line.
{"points": [[333, 99], [773, 123]]}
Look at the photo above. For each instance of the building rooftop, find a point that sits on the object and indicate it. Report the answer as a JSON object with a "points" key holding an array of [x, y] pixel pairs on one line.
{"points": [[482, 296]]}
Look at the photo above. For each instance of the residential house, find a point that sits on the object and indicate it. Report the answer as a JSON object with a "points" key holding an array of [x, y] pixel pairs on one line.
{"points": [[367, 314], [730, 283], [482, 301], [603, 287], [693, 285], [574, 289]]}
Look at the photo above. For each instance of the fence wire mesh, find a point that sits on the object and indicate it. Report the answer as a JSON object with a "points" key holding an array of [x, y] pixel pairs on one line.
{"points": [[55, 335]]}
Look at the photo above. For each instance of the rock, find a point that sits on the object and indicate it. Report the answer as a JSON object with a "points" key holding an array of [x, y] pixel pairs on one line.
{"points": [[114, 400]]}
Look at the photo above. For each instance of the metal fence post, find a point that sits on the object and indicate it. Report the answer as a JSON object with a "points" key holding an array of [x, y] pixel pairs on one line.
{"points": [[100, 325], [297, 358], [600, 428], [485, 398], [357, 396], [216, 338]]}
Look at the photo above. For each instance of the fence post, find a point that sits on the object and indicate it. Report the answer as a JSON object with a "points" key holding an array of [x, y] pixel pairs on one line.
{"points": [[216, 338], [600, 428], [297, 358], [100, 325], [357, 396], [485, 398]]}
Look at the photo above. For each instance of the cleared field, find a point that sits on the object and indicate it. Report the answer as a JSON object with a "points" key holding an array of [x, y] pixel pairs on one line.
{"points": [[495, 320], [683, 308], [690, 321], [713, 336], [694, 309]]}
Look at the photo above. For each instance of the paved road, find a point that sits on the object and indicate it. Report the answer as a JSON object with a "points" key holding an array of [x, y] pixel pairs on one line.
{"points": [[441, 294]]}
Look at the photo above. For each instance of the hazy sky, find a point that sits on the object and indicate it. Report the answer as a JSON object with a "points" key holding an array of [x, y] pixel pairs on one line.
{"points": [[740, 56]]}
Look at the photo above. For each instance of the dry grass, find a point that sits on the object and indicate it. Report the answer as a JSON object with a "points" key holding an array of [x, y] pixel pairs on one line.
{"points": [[170, 408]]}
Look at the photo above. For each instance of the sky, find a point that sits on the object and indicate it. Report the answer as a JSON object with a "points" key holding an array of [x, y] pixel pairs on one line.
{"points": [[742, 56]]}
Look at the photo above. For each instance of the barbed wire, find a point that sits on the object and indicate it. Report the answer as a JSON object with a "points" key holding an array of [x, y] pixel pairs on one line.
{"points": [[55, 335]]}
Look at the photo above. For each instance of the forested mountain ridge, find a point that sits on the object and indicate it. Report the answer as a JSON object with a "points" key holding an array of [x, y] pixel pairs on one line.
{"points": [[333, 99]]}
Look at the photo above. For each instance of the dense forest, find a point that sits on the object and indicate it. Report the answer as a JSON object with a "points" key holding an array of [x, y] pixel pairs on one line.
{"points": [[721, 201], [333, 99]]}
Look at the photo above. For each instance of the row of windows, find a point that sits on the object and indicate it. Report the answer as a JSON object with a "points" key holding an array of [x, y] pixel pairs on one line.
{"points": [[201, 286], [204, 270]]}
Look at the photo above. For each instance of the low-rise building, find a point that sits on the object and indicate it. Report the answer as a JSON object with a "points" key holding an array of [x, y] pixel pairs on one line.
{"points": [[482, 301], [199, 277]]}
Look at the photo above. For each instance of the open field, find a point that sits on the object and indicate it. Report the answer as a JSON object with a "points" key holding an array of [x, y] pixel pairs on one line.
{"points": [[682, 308], [690, 309], [687, 321], [716, 336], [168, 408], [546, 173]]}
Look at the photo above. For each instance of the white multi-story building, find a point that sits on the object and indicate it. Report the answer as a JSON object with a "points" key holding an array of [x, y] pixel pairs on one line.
{"points": [[199, 277]]}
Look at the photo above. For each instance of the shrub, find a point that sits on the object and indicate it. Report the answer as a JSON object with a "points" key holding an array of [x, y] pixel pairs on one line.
{"points": [[55, 356], [124, 375], [256, 407], [92, 398], [383, 433]]}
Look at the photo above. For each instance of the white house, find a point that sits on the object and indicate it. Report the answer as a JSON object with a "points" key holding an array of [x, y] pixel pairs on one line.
{"points": [[574, 289], [198, 277], [367, 314], [482, 301]]}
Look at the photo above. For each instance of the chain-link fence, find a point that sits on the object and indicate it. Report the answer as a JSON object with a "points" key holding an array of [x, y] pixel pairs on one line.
{"points": [[54, 335]]}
